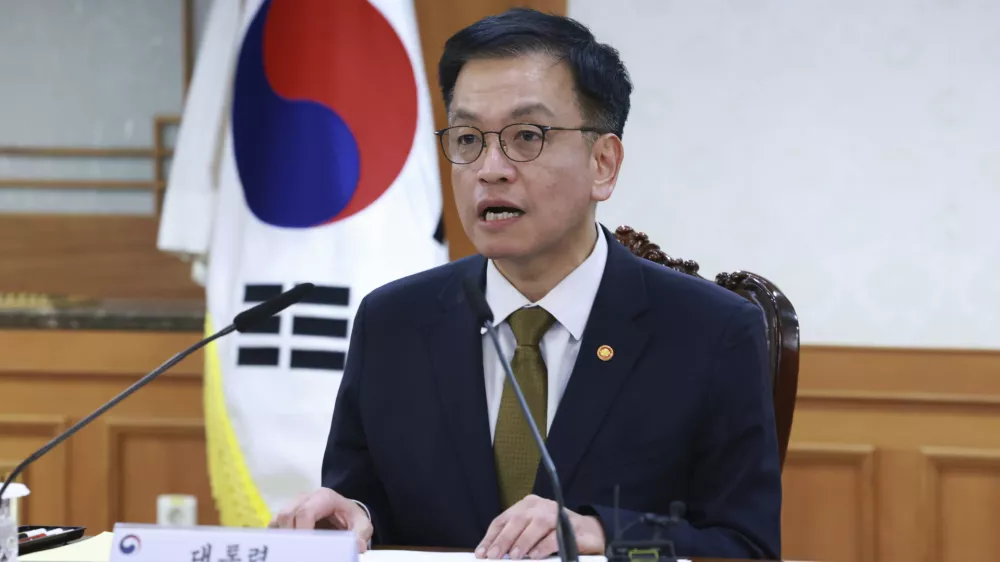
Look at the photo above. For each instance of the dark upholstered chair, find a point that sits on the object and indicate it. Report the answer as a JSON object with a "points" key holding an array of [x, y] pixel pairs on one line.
{"points": [[780, 321]]}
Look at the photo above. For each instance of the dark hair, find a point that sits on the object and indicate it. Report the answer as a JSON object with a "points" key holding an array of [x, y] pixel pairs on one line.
{"points": [[602, 82]]}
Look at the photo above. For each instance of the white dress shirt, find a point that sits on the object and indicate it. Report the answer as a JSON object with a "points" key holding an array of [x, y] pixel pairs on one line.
{"points": [[569, 302]]}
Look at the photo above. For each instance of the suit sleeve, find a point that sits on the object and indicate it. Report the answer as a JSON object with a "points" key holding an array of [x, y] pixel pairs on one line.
{"points": [[733, 508], [347, 464]]}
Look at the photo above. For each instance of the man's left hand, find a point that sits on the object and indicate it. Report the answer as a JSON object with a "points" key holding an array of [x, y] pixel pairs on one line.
{"points": [[528, 528]]}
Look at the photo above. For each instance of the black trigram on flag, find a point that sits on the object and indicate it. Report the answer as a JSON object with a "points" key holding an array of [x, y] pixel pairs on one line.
{"points": [[337, 298]]}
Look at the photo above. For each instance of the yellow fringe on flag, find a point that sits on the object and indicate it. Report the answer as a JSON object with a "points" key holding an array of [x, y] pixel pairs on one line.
{"points": [[236, 496]]}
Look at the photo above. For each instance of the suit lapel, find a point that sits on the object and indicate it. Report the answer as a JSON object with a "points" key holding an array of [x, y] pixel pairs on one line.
{"points": [[615, 321], [455, 345]]}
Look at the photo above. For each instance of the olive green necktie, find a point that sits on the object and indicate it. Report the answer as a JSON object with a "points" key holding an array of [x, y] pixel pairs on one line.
{"points": [[514, 449]]}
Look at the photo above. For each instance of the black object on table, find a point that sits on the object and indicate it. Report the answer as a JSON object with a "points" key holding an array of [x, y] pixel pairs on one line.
{"points": [[38, 544]]}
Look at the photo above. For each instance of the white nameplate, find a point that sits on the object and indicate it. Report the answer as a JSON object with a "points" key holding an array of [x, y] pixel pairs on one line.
{"points": [[152, 543]]}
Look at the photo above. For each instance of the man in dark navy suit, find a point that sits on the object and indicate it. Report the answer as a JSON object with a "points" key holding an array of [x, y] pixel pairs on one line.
{"points": [[639, 376]]}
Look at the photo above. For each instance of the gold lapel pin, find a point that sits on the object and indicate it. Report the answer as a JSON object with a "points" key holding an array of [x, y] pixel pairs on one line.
{"points": [[605, 353]]}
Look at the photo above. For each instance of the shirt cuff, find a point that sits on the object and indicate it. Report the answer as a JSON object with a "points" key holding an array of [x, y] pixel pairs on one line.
{"points": [[369, 514], [364, 507]]}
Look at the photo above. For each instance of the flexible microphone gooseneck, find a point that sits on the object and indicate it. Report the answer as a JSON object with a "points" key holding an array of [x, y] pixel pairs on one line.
{"points": [[243, 321], [566, 539]]}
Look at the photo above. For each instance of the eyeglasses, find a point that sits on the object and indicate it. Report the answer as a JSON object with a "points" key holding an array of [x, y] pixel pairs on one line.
{"points": [[521, 142]]}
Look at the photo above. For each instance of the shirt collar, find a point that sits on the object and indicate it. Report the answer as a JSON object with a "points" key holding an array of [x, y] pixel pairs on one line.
{"points": [[569, 302]]}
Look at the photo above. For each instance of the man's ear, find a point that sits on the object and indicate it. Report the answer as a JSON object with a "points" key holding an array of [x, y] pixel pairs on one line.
{"points": [[606, 162]]}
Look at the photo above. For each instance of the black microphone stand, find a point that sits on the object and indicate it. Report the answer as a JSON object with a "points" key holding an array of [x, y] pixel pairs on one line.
{"points": [[243, 321], [111, 404], [565, 538]]}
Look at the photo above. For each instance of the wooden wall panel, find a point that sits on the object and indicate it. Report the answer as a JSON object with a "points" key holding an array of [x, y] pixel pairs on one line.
{"points": [[21, 435], [93, 256], [70, 352], [829, 502], [932, 418], [40, 382], [962, 494], [887, 461], [148, 457]]}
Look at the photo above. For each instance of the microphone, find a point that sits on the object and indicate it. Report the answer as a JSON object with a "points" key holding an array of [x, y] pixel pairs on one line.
{"points": [[619, 550], [253, 316], [566, 540], [241, 323]]}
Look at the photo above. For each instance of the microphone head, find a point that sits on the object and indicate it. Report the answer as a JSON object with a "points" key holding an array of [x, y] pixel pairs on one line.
{"points": [[477, 301], [253, 316]]}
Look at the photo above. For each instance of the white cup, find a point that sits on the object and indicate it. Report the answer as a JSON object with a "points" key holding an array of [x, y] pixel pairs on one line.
{"points": [[176, 510]]}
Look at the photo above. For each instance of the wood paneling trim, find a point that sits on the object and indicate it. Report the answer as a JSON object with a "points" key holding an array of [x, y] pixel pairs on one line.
{"points": [[188, 48], [862, 458], [908, 356], [81, 152], [849, 453], [962, 372], [34, 183], [71, 352], [823, 397], [118, 430], [7, 466], [90, 256], [33, 425], [161, 121], [939, 458], [962, 457], [189, 378]]}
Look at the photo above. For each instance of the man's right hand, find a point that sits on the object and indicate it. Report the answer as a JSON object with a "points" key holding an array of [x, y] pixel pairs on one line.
{"points": [[326, 509]]}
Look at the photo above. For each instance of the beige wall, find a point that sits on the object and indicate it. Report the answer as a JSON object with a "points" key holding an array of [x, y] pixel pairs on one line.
{"points": [[849, 150]]}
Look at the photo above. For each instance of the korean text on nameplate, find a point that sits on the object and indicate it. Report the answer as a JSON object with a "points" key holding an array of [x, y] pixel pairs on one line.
{"points": [[152, 543]]}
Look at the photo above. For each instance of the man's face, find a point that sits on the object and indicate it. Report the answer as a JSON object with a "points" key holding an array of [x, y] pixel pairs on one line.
{"points": [[550, 199]]}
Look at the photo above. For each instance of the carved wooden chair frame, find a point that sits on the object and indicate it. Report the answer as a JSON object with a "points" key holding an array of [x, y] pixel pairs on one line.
{"points": [[781, 323]]}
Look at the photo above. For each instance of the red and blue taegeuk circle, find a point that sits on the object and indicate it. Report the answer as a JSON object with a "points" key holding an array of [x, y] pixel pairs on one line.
{"points": [[324, 110]]}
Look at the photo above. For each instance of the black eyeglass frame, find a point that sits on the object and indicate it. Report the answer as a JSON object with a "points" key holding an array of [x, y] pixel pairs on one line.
{"points": [[544, 128]]}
